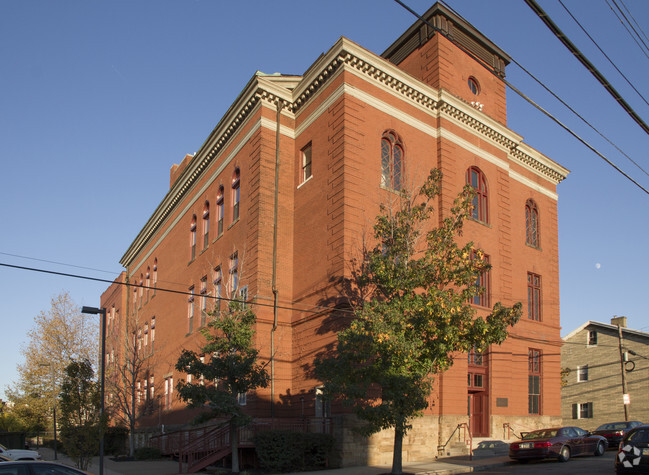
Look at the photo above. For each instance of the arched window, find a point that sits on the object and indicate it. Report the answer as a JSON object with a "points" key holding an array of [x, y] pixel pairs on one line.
{"points": [[155, 274], [531, 224], [236, 194], [219, 211], [192, 238], [391, 161], [206, 224], [477, 180]]}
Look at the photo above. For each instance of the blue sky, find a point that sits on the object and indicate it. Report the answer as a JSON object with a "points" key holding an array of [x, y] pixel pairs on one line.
{"points": [[99, 99]]}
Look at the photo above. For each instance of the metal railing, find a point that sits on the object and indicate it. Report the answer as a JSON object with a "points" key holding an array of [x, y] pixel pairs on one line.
{"points": [[467, 435], [508, 431]]}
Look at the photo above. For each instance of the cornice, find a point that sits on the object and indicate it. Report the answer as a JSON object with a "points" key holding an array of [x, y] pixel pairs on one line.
{"points": [[270, 90]]}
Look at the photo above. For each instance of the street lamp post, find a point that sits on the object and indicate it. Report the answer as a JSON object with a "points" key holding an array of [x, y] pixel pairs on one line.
{"points": [[102, 312], [53, 406]]}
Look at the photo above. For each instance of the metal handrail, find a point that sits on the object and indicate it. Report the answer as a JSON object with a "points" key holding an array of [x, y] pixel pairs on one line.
{"points": [[507, 425], [464, 426]]}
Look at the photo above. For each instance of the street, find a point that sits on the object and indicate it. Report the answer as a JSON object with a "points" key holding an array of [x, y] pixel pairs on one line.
{"points": [[576, 466]]}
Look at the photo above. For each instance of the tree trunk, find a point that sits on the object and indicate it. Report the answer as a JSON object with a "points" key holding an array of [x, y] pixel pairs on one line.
{"points": [[397, 465], [234, 442]]}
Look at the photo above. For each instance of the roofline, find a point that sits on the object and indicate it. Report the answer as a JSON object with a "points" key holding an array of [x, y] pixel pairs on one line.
{"points": [[607, 326]]}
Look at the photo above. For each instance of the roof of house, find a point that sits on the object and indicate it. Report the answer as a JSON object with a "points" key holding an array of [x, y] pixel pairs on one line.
{"points": [[606, 326]]}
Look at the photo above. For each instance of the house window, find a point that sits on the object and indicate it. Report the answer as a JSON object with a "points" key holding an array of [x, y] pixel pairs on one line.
{"points": [[478, 182], [141, 290], [152, 333], [306, 163], [482, 282], [146, 338], [218, 279], [155, 275], [243, 296], [391, 161], [169, 390], [582, 411], [219, 211], [234, 274], [533, 296], [135, 300], [206, 225], [531, 224], [476, 357], [592, 338], [151, 389], [236, 194], [242, 399], [582, 373], [190, 310], [203, 300], [148, 282], [534, 381], [192, 238]]}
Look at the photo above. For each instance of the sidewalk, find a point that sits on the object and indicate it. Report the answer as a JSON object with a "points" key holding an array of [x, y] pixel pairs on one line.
{"points": [[445, 466]]}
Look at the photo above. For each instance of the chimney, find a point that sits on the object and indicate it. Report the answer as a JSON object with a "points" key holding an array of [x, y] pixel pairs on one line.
{"points": [[177, 169], [618, 321]]}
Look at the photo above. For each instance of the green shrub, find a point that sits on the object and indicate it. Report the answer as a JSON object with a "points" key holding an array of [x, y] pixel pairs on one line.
{"points": [[286, 451], [147, 453], [115, 440]]}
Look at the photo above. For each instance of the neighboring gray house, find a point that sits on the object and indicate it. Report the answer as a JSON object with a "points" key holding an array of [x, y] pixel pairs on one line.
{"points": [[592, 374]]}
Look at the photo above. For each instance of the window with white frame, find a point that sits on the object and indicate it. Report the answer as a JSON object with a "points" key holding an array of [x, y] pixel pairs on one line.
{"points": [[190, 310], [592, 338], [306, 163], [242, 399], [234, 273], [582, 410], [169, 390], [582, 373], [203, 300], [218, 282]]}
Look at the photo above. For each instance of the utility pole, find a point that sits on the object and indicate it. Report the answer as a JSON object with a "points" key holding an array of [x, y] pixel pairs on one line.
{"points": [[623, 371]]}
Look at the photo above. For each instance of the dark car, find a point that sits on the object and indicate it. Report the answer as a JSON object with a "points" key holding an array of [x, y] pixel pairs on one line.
{"points": [[36, 467], [633, 453], [560, 443], [614, 431]]}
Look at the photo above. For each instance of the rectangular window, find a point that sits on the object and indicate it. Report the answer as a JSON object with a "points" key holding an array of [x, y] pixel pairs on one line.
{"points": [[190, 310], [219, 212], [482, 282], [234, 274], [218, 278], [243, 295], [582, 411], [152, 333], [203, 300], [592, 338], [476, 357], [169, 390], [306, 163], [533, 296], [242, 399], [322, 405], [534, 381], [582, 373], [236, 195], [206, 226]]}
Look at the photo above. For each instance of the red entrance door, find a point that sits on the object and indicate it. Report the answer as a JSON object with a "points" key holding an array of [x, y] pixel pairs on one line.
{"points": [[478, 414]]}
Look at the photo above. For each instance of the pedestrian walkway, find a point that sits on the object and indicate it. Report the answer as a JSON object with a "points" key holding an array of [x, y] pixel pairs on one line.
{"points": [[445, 466]]}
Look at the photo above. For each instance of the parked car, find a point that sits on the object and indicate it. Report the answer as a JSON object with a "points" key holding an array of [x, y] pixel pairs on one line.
{"points": [[614, 431], [38, 467], [633, 453], [19, 454], [560, 443]]}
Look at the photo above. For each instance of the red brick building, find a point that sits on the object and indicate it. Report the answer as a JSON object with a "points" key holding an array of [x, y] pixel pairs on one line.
{"points": [[347, 133]]}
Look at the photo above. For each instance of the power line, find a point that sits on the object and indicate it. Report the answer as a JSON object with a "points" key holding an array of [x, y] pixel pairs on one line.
{"points": [[603, 53], [634, 21], [637, 40], [529, 100], [180, 292], [586, 63]]}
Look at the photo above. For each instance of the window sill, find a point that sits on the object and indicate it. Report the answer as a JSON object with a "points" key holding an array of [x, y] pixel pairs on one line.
{"points": [[484, 223], [233, 223], [217, 238], [304, 182], [538, 248]]}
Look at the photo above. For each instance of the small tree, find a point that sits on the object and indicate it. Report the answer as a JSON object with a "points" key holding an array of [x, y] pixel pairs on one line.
{"points": [[132, 364], [417, 315], [230, 369], [80, 403]]}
